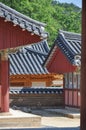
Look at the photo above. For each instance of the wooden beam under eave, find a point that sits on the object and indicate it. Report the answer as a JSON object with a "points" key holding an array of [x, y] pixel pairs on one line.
{"points": [[12, 37]]}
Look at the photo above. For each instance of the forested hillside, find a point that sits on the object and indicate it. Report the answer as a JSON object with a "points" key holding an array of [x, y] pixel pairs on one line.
{"points": [[56, 15]]}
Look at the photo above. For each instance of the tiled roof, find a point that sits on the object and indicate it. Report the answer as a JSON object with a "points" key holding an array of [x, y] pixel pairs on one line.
{"points": [[23, 21], [41, 47], [29, 60], [70, 44], [46, 90]]}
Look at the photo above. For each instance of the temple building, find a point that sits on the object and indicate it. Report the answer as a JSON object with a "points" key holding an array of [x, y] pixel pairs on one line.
{"points": [[31, 84], [26, 67], [16, 30], [65, 58]]}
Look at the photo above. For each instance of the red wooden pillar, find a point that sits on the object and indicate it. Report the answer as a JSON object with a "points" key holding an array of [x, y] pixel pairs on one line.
{"points": [[4, 82], [64, 90], [0, 97], [83, 68]]}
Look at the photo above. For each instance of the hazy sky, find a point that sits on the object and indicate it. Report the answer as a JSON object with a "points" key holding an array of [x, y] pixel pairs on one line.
{"points": [[76, 2]]}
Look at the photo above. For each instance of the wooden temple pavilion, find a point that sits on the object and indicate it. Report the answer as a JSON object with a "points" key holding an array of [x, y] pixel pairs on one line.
{"points": [[16, 30], [65, 58], [26, 67], [30, 82]]}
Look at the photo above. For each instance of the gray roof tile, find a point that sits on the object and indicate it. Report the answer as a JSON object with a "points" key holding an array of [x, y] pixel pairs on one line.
{"points": [[29, 60], [70, 44], [23, 21], [50, 90]]}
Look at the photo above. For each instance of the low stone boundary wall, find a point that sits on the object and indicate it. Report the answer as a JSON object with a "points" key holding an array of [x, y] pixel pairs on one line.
{"points": [[37, 97]]}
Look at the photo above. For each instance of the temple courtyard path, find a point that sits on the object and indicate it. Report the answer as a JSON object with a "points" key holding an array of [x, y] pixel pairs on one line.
{"points": [[51, 121]]}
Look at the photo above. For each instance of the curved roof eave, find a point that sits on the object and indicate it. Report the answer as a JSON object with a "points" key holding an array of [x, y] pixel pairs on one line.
{"points": [[23, 21]]}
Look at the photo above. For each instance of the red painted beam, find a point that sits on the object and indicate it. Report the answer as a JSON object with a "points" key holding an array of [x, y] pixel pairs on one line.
{"points": [[83, 68]]}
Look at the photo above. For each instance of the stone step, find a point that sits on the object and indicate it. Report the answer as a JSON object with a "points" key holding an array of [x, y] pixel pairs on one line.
{"points": [[71, 113], [17, 118]]}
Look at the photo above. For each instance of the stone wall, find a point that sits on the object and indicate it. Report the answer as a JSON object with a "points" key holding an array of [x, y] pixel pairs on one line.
{"points": [[37, 97]]}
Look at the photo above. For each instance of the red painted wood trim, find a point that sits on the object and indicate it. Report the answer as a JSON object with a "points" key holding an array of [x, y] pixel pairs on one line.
{"points": [[59, 63], [64, 90], [11, 36]]}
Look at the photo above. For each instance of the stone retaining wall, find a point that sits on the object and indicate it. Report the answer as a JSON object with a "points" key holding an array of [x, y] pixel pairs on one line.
{"points": [[38, 98]]}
